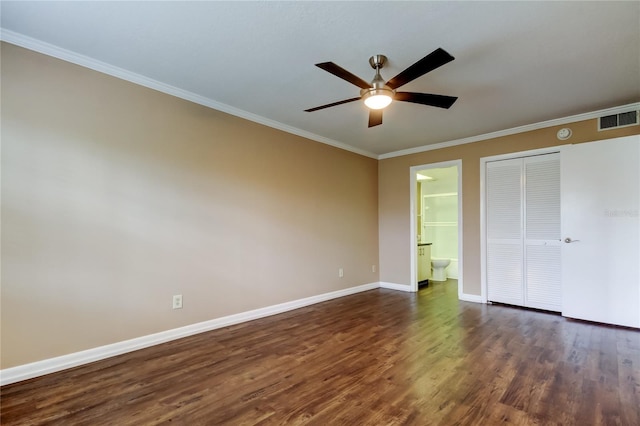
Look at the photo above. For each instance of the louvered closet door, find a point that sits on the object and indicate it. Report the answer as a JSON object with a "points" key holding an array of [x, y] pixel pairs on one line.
{"points": [[542, 232], [523, 231], [504, 231]]}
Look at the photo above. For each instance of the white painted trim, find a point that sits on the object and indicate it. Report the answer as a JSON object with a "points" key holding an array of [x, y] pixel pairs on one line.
{"points": [[483, 231], [514, 130], [399, 287], [522, 154], [413, 230], [413, 170], [51, 365], [460, 234], [87, 62], [471, 298]]}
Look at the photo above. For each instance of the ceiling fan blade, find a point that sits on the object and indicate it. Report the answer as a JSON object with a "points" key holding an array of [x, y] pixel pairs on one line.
{"points": [[433, 60], [375, 117], [440, 101], [332, 104], [344, 74]]}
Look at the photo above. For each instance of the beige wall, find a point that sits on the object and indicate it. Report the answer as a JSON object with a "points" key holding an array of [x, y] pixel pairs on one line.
{"points": [[394, 187], [116, 197]]}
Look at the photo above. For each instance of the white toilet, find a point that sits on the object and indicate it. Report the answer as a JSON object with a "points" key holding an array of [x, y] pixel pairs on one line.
{"points": [[440, 269]]}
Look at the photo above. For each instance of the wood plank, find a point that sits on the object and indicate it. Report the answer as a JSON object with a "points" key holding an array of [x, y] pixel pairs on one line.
{"points": [[377, 358]]}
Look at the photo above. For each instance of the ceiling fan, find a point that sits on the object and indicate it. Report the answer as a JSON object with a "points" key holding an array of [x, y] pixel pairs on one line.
{"points": [[378, 94]]}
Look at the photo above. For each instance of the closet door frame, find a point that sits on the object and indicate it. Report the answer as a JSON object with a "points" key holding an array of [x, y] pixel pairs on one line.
{"points": [[483, 205]]}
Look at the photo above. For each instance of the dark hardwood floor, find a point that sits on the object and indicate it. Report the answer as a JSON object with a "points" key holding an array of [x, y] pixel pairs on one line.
{"points": [[376, 358]]}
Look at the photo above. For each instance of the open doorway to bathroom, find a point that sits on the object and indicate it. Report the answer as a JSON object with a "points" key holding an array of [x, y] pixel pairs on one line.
{"points": [[436, 222]]}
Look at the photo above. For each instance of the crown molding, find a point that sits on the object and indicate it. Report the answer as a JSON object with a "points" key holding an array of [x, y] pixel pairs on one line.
{"points": [[87, 62], [521, 129]]}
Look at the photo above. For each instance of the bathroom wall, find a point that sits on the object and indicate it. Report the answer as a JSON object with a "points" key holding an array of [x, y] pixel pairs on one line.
{"points": [[440, 215]]}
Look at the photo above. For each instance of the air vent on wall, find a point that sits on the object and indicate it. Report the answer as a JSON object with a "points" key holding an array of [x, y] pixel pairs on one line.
{"points": [[615, 121]]}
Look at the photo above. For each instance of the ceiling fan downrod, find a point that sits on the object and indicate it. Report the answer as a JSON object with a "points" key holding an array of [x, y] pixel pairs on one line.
{"points": [[379, 95]]}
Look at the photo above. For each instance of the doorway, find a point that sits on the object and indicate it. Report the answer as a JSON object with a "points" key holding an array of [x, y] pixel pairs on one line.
{"points": [[436, 217]]}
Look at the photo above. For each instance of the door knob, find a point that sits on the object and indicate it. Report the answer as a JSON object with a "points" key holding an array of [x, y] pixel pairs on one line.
{"points": [[569, 240]]}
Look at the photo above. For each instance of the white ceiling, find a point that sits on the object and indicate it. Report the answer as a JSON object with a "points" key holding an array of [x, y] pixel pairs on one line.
{"points": [[517, 63]]}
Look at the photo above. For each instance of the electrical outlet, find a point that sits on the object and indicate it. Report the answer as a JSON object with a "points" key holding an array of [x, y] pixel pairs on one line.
{"points": [[340, 272], [177, 301], [373, 268]]}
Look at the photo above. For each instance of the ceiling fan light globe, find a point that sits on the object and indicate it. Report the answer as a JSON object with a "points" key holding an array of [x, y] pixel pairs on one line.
{"points": [[377, 98], [377, 101]]}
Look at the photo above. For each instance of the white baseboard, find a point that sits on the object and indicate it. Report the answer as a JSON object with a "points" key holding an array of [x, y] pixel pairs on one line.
{"points": [[393, 286], [51, 365], [470, 298]]}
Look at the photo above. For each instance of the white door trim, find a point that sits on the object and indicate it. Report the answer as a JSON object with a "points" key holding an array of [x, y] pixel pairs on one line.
{"points": [[483, 205], [413, 170]]}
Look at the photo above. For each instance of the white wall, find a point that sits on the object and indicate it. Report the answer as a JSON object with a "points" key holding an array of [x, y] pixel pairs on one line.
{"points": [[440, 215]]}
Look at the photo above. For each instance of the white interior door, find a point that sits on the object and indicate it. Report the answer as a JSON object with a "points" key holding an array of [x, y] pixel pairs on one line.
{"points": [[523, 231], [504, 231], [542, 261], [601, 230]]}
